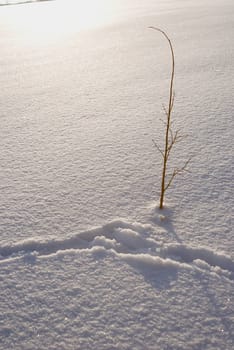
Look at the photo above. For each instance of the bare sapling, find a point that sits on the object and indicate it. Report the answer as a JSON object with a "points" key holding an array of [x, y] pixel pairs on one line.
{"points": [[171, 136]]}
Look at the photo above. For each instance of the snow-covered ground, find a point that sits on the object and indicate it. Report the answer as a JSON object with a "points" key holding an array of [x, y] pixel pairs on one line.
{"points": [[87, 260]]}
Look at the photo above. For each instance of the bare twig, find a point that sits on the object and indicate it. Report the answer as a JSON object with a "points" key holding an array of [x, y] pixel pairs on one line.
{"points": [[171, 137], [158, 148], [178, 171]]}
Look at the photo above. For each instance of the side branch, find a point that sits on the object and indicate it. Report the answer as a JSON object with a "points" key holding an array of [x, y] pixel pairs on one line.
{"points": [[158, 148], [178, 171]]}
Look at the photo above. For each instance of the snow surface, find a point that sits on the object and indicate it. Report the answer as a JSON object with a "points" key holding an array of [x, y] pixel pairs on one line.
{"points": [[87, 260]]}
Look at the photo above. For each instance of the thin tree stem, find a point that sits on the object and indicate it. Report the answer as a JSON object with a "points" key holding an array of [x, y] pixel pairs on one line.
{"points": [[170, 106]]}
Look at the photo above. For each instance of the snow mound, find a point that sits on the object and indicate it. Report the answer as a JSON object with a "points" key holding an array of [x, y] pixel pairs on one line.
{"points": [[131, 242], [189, 254], [127, 235]]}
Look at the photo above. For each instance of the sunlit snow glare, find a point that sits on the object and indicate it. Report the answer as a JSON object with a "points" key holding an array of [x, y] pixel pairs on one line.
{"points": [[41, 22]]}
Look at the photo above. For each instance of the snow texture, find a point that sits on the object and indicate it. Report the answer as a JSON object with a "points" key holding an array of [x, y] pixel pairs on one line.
{"points": [[87, 260]]}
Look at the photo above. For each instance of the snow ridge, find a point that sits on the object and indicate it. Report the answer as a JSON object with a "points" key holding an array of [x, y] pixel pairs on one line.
{"points": [[127, 234], [131, 242]]}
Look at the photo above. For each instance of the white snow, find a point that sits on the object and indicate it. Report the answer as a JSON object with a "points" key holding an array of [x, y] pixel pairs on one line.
{"points": [[87, 260]]}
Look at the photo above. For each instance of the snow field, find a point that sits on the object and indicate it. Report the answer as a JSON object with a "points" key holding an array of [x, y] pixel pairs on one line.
{"points": [[87, 261], [73, 299]]}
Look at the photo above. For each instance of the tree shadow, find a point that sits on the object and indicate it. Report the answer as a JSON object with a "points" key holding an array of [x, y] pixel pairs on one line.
{"points": [[164, 218], [159, 278], [157, 272]]}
